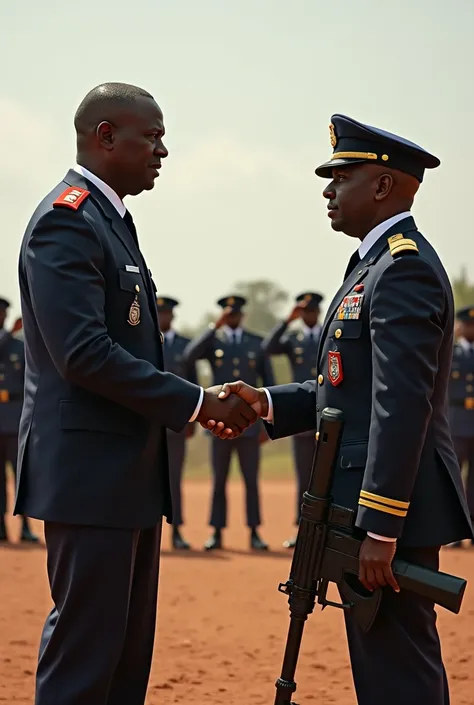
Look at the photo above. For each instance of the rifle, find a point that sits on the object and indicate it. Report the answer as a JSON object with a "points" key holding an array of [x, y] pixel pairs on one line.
{"points": [[327, 550]]}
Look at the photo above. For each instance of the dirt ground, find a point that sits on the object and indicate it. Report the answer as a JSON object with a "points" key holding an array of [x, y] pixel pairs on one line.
{"points": [[222, 624]]}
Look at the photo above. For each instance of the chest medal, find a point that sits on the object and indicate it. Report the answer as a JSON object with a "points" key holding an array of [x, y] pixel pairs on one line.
{"points": [[350, 307], [134, 313]]}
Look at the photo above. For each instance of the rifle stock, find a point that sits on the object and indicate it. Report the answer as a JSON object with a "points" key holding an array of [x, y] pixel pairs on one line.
{"points": [[327, 550]]}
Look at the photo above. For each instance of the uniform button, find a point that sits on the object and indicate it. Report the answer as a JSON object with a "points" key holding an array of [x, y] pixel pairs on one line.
{"points": [[137, 288], [469, 388], [236, 373], [317, 409], [320, 379], [317, 436], [162, 338], [338, 333], [313, 371]]}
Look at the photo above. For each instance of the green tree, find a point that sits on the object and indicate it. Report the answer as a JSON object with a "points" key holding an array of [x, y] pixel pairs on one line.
{"points": [[264, 303], [463, 290]]}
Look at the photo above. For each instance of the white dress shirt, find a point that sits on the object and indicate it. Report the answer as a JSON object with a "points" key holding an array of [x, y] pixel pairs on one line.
{"points": [[233, 333], [366, 244], [465, 344], [315, 330], [119, 206]]}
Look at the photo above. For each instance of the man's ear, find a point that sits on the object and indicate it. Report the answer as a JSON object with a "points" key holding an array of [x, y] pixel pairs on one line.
{"points": [[384, 187], [105, 132]]}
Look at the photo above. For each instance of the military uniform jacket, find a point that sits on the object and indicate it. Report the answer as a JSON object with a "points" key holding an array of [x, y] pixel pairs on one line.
{"points": [[233, 361], [174, 362], [92, 442], [12, 371], [300, 349], [384, 360], [461, 393]]}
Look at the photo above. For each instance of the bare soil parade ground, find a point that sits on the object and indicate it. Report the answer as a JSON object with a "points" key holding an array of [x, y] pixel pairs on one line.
{"points": [[222, 623]]}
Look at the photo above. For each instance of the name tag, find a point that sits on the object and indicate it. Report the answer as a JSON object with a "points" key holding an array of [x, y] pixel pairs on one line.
{"points": [[132, 268]]}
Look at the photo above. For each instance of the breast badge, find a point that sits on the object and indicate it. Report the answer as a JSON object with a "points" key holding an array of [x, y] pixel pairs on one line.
{"points": [[134, 312], [335, 372]]}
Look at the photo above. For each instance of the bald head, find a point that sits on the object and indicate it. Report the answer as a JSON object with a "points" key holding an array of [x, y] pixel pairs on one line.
{"points": [[105, 101], [120, 134]]}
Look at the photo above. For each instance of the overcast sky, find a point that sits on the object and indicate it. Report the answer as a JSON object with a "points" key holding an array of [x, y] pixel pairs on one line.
{"points": [[247, 88]]}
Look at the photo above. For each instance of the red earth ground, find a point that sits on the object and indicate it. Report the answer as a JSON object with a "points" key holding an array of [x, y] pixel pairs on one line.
{"points": [[222, 624]]}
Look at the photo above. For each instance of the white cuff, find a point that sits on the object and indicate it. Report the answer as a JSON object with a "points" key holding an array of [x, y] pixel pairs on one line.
{"points": [[269, 416], [381, 538], [198, 407]]}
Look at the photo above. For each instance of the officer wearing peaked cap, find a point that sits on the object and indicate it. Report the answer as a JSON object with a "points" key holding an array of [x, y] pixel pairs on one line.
{"points": [[461, 399], [12, 373], [385, 360], [234, 353], [173, 348], [300, 347]]}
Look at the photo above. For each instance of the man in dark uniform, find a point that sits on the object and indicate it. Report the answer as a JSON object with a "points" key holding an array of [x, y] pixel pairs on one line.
{"points": [[461, 400], [233, 352], [12, 374], [92, 460], [173, 348], [301, 348], [385, 361]]}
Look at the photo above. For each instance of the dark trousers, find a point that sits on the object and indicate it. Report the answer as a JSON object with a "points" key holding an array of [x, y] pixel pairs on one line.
{"points": [[8, 453], [176, 457], [399, 660], [97, 642], [464, 448], [303, 452], [248, 451]]}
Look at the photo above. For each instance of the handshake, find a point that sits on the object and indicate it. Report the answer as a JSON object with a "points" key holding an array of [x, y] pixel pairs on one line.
{"points": [[229, 409]]}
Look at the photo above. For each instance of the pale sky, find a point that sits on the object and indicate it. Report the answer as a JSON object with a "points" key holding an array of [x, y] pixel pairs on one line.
{"points": [[247, 89]]}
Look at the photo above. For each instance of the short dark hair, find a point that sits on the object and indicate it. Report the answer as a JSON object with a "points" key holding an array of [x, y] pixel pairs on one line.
{"points": [[95, 107]]}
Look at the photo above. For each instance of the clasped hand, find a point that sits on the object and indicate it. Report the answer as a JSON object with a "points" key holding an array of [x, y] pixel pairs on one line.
{"points": [[229, 409]]}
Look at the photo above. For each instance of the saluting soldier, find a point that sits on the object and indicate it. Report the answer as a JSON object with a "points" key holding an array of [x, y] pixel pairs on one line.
{"points": [[385, 360], [234, 352], [461, 399], [173, 348], [301, 349], [12, 374]]}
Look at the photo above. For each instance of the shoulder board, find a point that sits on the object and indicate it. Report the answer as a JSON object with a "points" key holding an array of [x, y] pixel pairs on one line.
{"points": [[399, 244], [72, 197]]}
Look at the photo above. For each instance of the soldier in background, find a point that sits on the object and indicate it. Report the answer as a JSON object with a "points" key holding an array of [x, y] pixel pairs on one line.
{"points": [[173, 347], [12, 371], [234, 353], [461, 400], [301, 349]]}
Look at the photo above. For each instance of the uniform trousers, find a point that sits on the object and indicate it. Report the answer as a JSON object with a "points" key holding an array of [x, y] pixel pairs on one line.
{"points": [[464, 448], [248, 451], [398, 662], [176, 456], [97, 642], [8, 453]]}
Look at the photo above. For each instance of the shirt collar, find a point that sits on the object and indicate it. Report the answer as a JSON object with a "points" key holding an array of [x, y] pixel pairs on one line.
{"points": [[105, 188], [377, 232], [233, 331], [315, 329], [465, 344]]}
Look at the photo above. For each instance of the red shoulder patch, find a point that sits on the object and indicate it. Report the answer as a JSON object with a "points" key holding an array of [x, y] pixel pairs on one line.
{"points": [[72, 197]]}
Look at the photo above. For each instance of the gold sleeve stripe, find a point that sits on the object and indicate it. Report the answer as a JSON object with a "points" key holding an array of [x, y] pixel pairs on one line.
{"points": [[381, 508], [385, 500]]}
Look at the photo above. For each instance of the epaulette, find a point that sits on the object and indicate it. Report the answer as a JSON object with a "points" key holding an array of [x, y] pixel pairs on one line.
{"points": [[399, 244], [72, 197]]}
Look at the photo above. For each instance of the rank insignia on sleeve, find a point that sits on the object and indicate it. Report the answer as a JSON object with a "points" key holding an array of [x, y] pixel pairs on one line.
{"points": [[335, 372], [134, 312], [350, 307], [72, 197]]}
